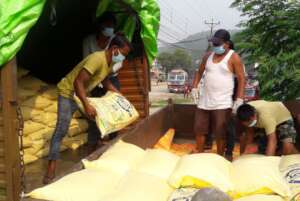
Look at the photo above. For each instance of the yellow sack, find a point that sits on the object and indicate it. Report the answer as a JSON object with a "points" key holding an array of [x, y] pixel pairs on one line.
{"points": [[75, 142], [45, 151], [31, 127], [27, 142], [157, 162], [114, 112], [50, 94], [29, 159], [32, 83], [166, 140], [52, 108], [37, 102], [36, 146], [73, 123], [261, 198], [83, 185], [24, 94], [28, 113], [258, 175], [121, 157], [136, 186], [41, 134], [290, 169], [202, 170], [44, 118], [81, 127]]}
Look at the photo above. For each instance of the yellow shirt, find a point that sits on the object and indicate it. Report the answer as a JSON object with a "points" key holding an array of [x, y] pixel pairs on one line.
{"points": [[95, 64], [270, 114]]}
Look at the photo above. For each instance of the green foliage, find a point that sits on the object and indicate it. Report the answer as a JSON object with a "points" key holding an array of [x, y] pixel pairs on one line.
{"points": [[271, 37], [177, 59]]}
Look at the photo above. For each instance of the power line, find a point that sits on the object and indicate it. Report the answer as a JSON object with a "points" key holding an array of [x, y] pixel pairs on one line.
{"points": [[212, 24], [194, 40]]}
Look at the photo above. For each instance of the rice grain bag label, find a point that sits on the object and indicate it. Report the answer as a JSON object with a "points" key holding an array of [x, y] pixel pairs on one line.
{"points": [[290, 169], [114, 112]]}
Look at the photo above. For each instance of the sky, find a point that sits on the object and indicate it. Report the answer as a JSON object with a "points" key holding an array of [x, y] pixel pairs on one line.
{"points": [[181, 18]]}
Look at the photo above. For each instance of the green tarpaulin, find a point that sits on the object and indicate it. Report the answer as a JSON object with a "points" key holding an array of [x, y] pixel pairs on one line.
{"points": [[17, 17]]}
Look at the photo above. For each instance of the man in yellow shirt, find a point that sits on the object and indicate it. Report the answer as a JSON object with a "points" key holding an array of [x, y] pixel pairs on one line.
{"points": [[276, 121], [88, 74]]}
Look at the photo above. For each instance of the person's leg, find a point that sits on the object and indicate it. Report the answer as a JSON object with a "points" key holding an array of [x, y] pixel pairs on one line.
{"points": [[230, 142], [66, 108], [201, 126], [220, 119], [93, 136], [287, 135]]}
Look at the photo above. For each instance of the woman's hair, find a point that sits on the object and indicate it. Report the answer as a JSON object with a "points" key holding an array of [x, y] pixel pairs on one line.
{"points": [[120, 40]]}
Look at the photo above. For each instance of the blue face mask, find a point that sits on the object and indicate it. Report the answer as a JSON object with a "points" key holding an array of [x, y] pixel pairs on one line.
{"points": [[219, 50], [119, 58], [108, 32]]}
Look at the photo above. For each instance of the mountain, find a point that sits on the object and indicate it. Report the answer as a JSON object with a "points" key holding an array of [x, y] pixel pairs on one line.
{"points": [[195, 44]]}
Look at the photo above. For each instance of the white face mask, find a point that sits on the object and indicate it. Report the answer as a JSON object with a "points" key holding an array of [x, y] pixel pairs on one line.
{"points": [[253, 123]]}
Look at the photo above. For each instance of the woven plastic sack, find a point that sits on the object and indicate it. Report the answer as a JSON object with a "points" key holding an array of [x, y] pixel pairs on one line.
{"points": [[290, 169], [114, 112], [166, 140]]}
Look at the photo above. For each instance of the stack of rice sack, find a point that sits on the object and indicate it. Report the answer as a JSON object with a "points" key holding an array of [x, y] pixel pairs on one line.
{"points": [[38, 102], [154, 174]]}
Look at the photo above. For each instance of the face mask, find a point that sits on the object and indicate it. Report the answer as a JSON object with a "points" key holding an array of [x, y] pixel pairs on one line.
{"points": [[219, 50], [253, 123], [119, 58], [108, 32]]}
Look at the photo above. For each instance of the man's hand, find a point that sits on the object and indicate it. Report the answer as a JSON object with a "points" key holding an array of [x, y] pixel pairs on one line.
{"points": [[195, 94], [90, 112], [237, 103]]}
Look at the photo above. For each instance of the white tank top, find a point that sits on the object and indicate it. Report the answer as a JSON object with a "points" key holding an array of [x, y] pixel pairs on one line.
{"points": [[218, 85]]}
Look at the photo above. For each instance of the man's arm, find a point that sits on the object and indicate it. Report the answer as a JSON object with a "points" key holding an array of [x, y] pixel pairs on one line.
{"points": [[238, 68], [109, 86], [201, 70], [272, 145], [79, 87]]}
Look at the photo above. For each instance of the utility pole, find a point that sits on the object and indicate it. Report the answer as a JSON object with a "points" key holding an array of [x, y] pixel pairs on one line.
{"points": [[212, 24]]}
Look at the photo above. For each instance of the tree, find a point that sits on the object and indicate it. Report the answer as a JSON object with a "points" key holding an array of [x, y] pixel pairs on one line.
{"points": [[177, 59], [271, 37]]}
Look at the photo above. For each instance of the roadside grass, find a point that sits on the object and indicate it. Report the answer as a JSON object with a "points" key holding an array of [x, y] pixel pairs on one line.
{"points": [[163, 103]]}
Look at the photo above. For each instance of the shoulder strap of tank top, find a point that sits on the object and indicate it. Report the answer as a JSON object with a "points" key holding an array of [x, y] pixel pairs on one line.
{"points": [[228, 56]]}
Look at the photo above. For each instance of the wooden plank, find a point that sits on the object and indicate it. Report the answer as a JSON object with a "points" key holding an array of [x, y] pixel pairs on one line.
{"points": [[135, 98], [1, 134], [11, 142], [2, 165], [131, 90], [130, 74], [131, 82]]}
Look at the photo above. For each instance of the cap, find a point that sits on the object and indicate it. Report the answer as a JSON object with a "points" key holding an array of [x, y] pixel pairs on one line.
{"points": [[220, 36], [210, 194]]}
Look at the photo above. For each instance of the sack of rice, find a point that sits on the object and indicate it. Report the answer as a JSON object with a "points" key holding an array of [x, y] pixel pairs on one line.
{"points": [[114, 112], [44, 118], [37, 102], [290, 169], [24, 94], [75, 142], [78, 129], [36, 146], [29, 158], [28, 113], [31, 127], [45, 151]]}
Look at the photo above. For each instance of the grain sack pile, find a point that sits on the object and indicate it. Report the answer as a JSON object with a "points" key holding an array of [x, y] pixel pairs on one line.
{"points": [[38, 102]]}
